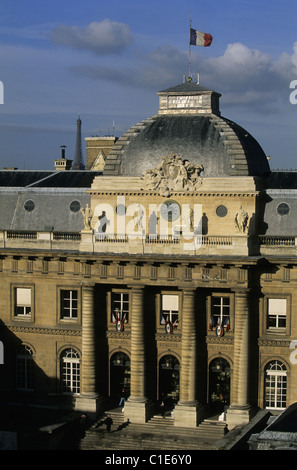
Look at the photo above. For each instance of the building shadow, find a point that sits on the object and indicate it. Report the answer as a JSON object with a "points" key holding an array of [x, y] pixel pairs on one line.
{"points": [[31, 419]]}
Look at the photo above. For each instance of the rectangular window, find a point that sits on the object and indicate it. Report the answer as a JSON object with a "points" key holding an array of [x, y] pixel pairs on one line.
{"points": [[277, 313], [220, 311], [69, 304], [169, 309], [22, 301], [120, 307]]}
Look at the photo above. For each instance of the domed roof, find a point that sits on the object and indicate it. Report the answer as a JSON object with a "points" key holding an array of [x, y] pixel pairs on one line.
{"points": [[188, 124]]}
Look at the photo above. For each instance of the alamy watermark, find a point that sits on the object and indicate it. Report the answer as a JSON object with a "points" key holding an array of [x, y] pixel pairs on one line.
{"points": [[293, 355], [1, 353], [1, 93], [293, 94], [165, 221]]}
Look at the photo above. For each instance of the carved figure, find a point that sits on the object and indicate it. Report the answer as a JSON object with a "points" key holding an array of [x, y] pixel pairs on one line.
{"points": [[138, 219], [87, 215], [241, 220], [173, 174]]}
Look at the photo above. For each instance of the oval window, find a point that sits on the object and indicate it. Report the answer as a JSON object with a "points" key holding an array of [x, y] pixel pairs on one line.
{"points": [[75, 206], [29, 206], [283, 208]]}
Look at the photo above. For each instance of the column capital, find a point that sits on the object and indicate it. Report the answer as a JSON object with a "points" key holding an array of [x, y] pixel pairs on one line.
{"points": [[136, 287], [189, 290], [88, 285], [242, 290]]}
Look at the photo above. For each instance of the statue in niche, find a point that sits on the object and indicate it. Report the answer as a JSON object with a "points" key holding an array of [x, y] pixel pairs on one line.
{"points": [[87, 215], [241, 220], [173, 174]]}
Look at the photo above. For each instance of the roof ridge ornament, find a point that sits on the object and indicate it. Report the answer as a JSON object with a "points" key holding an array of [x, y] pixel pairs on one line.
{"points": [[173, 174]]}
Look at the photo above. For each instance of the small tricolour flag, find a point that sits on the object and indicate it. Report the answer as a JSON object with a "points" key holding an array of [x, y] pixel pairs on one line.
{"points": [[197, 38]]}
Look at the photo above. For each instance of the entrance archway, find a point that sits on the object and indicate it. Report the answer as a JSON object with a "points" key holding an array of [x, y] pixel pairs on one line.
{"points": [[169, 368], [219, 384], [119, 375]]}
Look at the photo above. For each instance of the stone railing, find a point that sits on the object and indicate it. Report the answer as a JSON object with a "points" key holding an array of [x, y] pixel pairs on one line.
{"points": [[270, 240], [27, 235], [36, 239], [164, 239], [208, 244]]}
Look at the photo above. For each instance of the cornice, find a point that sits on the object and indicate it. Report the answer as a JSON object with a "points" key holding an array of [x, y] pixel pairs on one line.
{"points": [[44, 330]]}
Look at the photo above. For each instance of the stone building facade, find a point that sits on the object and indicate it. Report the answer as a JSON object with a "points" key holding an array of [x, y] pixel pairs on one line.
{"points": [[171, 275]]}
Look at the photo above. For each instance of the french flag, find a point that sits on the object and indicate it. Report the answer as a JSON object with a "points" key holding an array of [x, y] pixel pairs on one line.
{"points": [[197, 38]]}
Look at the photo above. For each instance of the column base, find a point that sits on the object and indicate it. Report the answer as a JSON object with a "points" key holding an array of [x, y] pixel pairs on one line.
{"points": [[187, 415], [137, 411], [91, 405], [239, 415]]}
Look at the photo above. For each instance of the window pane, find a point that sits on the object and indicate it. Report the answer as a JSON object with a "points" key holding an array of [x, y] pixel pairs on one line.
{"points": [[277, 309], [22, 301], [70, 372], [275, 385], [69, 304], [119, 306], [221, 311], [24, 369]]}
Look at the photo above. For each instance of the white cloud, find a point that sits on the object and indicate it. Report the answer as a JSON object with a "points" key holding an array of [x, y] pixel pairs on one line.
{"points": [[250, 78], [105, 37], [245, 77]]}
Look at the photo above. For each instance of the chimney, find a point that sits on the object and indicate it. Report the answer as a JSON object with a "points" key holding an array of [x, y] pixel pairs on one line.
{"points": [[62, 164]]}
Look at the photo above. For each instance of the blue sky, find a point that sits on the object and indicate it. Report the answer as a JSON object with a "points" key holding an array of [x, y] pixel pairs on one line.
{"points": [[106, 61]]}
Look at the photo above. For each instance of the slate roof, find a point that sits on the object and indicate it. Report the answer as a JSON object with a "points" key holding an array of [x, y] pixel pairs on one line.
{"points": [[282, 179], [50, 194], [199, 135], [188, 87], [47, 179], [220, 145]]}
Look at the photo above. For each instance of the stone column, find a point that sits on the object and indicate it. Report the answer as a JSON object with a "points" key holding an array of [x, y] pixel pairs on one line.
{"points": [[186, 412], [136, 407], [239, 412], [89, 399]]}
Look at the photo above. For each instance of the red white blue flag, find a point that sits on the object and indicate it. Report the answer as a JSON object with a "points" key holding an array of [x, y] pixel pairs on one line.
{"points": [[197, 38]]}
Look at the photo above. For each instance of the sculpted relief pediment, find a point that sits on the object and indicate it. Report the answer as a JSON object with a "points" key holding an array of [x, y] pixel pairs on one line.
{"points": [[173, 174]]}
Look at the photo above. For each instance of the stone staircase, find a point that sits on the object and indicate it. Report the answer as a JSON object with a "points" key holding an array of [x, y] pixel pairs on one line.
{"points": [[157, 434]]}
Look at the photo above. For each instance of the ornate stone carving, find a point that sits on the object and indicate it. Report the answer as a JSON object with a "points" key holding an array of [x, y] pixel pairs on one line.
{"points": [[87, 215], [241, 220], [173, 174]]}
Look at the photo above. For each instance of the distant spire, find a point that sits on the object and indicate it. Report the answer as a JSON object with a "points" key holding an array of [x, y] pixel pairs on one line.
{"points": [[78, 158]]}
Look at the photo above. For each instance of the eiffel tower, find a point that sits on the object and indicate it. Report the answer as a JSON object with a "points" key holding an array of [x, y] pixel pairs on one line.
{"points": [[78, 163]]}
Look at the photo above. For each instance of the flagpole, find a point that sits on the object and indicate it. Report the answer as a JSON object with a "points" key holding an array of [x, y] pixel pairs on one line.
{"points": [[190, 48]]}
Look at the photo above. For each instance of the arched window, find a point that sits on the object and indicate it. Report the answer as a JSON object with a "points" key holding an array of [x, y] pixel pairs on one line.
{"points": [[275, 385], [24, 368], [70, 371]]}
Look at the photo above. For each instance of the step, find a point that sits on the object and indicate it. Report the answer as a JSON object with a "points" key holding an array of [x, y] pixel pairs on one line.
{"points": [[157, 434]]}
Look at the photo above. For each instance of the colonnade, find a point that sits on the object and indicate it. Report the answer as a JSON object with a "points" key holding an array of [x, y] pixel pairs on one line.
{"points": [[187, 411]]}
